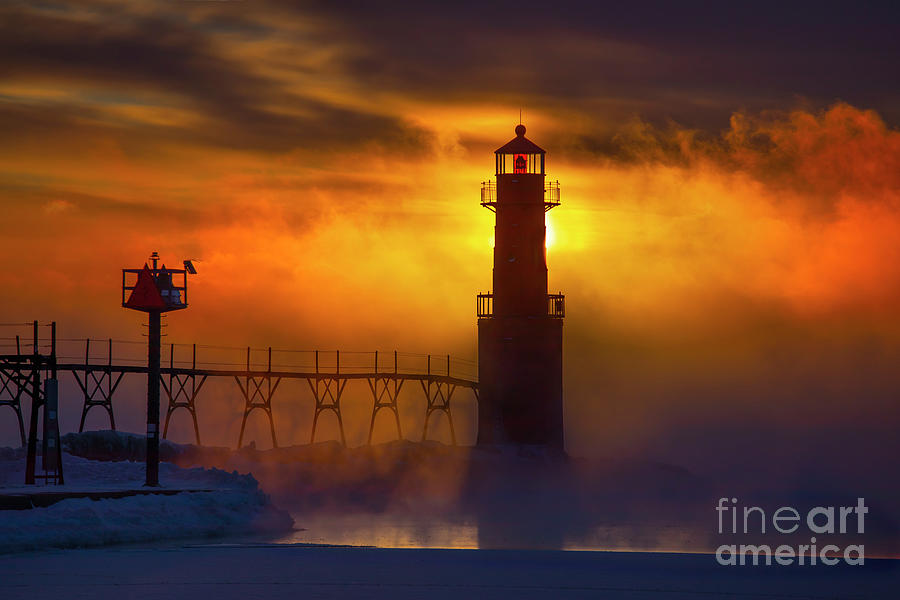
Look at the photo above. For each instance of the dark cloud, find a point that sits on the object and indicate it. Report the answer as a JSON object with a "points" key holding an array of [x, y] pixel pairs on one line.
{"points": [[151, 58], [598, 62], [697, 61], [149, 53]]}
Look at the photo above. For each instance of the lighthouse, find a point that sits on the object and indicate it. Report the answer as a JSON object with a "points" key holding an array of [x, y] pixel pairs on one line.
{"points": [[520, 324]]}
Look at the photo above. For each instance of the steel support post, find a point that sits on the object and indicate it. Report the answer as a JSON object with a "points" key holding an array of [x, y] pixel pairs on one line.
{"points": [[153, 350]]}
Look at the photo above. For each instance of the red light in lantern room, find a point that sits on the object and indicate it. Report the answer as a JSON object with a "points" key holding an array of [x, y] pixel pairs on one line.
{"points": [[521, 164]]}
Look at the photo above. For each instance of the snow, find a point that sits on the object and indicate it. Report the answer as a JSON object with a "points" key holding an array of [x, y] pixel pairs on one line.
{"points": [[82, 474], [222, 503]]}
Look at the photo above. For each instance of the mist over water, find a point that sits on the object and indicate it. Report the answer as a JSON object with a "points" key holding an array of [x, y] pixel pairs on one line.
{"points": [[409, 494]]}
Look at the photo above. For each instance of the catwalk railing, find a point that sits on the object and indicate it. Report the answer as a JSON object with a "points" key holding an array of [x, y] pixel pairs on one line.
{"points": [[99, 366]]}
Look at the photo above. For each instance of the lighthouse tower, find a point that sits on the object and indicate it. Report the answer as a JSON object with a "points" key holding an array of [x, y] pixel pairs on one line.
{"points": [[520, 324]]}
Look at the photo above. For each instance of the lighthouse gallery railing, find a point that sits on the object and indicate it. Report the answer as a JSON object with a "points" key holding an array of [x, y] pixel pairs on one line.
{"points": [[556, 306]]}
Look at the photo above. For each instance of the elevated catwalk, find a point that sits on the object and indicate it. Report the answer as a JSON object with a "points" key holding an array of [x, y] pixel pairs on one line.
{"points": [[256, 376]]}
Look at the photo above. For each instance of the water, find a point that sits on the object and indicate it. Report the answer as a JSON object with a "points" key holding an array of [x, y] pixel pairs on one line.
{"points": [[393, 530]]}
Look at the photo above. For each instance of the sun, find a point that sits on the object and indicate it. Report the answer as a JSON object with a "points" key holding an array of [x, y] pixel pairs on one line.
{"points": [[551, 235]]}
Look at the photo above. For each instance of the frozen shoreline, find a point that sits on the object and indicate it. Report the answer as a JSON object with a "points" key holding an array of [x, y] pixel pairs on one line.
{"points": [[232, 505]]}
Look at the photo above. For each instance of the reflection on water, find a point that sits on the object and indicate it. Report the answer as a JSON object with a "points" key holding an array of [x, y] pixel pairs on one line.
{"points": [[392, 530], [384, 530]]}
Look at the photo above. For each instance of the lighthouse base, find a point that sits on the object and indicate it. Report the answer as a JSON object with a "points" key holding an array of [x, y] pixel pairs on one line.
{"points": [[520, 381]]}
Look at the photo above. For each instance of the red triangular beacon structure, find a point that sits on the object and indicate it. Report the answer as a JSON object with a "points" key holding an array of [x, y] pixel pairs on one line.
{"points": [[145, 295]]}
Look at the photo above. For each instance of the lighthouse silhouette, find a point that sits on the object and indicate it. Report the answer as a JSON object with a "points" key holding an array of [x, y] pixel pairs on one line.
{"points": [[519, 323]]}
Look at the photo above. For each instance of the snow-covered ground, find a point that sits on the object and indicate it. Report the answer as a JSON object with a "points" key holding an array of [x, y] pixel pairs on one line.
{"points": [[224, 504]]}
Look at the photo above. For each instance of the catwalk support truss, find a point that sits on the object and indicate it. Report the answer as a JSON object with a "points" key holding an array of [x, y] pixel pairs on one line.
{"points": [[98, 380], [34, 376]]}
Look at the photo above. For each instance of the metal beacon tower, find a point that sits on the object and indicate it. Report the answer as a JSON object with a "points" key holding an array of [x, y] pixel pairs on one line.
{"points": [[520, 324]]}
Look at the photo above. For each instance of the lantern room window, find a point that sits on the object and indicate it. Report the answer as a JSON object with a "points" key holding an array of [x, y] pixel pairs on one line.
{"points": [[520, 164]]}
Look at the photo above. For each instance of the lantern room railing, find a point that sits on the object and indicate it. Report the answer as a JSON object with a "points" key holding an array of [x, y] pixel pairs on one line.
{"points": [[489, 195], [556, 306]]}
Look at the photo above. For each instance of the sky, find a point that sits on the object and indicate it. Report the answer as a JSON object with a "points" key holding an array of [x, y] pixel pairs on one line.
{"points": [[728, 240]]}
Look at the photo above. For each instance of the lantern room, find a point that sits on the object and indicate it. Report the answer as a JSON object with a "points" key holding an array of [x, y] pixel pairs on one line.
{"points": [[520, 156]]}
